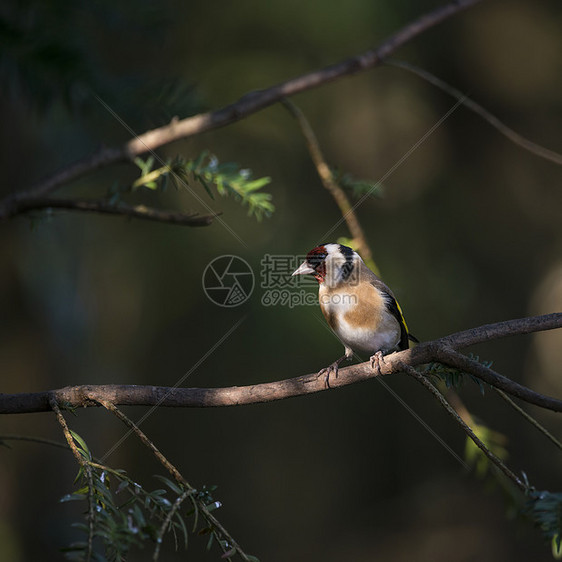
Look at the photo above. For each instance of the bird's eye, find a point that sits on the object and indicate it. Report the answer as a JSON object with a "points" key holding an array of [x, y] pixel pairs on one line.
{"points": [[316, 260]]}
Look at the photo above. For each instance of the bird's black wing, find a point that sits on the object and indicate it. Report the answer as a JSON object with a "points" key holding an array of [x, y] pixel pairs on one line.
{"points": [[394, 308]]}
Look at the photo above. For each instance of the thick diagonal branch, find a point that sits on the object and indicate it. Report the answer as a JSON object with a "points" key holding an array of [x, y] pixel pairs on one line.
{"points": [[245, 106]]}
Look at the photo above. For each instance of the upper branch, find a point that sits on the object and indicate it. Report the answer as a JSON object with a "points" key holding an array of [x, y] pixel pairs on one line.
{"points": [[255, 101], [120, 208], [508, 132], [92, 395], [246, 105]]}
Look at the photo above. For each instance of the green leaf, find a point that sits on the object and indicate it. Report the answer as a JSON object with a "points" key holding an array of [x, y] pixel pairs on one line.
{"points": [[145, 166], [453, 378], [73, 497], [206, 187], [212, 506], [181, 524], [256, 184], [172, 485], [76, 546], [227, 179], [494, 441], [210, 541], [359, 188], [165, 182], [83, 448], [197, 163], [545, 509], [556, 547]]}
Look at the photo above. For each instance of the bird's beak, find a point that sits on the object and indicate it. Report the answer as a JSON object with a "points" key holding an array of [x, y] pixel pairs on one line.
{"points": [[303, 269]]}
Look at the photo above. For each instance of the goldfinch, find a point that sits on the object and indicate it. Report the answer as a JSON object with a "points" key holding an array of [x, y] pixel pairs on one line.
{"points": [[358, 306]]}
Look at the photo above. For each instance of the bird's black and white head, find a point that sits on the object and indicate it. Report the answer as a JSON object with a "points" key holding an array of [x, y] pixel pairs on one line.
{"points": [[332, 264]]}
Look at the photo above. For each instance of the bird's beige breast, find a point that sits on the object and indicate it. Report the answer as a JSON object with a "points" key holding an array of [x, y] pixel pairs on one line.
{"points": [[358, 316], [361, 306]]}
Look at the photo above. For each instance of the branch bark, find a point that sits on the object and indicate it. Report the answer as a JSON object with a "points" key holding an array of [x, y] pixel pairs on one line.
{"points": [[437, 350], [245, 106], [122, 209]]}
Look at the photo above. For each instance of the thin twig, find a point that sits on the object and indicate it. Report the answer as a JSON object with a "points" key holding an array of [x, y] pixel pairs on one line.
{"points": [[120, 475], [87, 470], [529, 418], [211, 520], [167, 521], [245, 106], [147, 442], [35, 440], [506, 131], [330, 183], [105, 207], [65, 429], [465, 427]]}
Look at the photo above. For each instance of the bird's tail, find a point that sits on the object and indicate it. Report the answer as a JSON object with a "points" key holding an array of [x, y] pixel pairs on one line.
{"points": [[413, 338]]}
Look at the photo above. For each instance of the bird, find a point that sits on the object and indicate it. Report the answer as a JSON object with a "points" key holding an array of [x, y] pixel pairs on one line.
{"points": [[360, 309]]}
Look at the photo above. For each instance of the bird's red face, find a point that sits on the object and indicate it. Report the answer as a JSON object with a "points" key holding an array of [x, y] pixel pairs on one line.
{"points": [[315, 264], [316, 258]]}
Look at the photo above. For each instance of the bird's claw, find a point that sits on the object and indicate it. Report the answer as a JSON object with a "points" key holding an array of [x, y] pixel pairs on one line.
{"points": [[376, 361], [335, 367]]}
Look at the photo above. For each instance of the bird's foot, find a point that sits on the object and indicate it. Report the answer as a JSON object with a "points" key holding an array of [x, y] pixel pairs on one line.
{"points": [[333, 368], [376, 361]]}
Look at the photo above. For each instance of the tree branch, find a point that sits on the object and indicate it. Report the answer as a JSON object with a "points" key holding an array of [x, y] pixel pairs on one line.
{"points": [[132, 395], [105, 207], [166, 524], [211, 519], [245, 106], [504, 329], [109, 406], [530, 418], [84, 464], [32, 439], [506, 131], [465, 427], [329, 182], [448, 356], [459, 413]]}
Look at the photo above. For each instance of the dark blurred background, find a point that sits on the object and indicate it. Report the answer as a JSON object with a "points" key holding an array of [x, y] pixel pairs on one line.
{"points": [[467, 233]]}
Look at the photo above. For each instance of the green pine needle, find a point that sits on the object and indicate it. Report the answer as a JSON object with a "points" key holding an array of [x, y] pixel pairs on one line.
{"points": [[227, 178]]}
